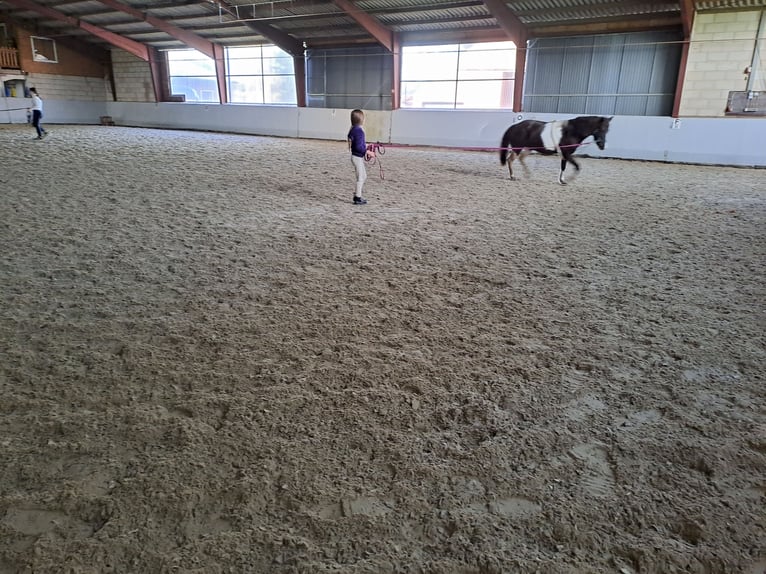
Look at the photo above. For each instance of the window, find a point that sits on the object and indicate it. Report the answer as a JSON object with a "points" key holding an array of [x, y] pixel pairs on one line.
{"points": [[260, 75], [193, 75], [478, 76], [44, 50]]}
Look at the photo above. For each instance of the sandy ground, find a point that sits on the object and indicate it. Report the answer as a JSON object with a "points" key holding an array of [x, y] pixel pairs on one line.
{"points": [[213, 362]]}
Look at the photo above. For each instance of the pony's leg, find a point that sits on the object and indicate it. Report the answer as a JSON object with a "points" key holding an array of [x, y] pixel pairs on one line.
{"points": [[524, 153], [567, 158], [511, 157]]}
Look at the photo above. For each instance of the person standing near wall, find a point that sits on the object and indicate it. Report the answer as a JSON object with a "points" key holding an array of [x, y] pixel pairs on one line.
{"points": [[359, 153], [37, 113]]}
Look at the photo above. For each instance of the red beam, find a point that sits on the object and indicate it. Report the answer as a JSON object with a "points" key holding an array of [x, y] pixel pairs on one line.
{"points": [[135, 48], [299, 66], [687, 22], [396, 95], [518, 76], [158, 65], [220, 73], [381, 33], [280, 39], [680, 80], [189, 38], [213, 51], [507, 20], [687, 17]]}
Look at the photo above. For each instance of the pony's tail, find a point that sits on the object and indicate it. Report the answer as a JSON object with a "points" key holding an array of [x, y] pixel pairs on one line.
{"points": [[504, 146]]}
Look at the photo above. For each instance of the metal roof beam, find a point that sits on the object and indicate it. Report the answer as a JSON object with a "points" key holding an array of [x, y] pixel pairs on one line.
{"points": [[262, 13], [71, 41], [135, 48], [280, 39], [189, 38], [687, 17], [283, 41], [687, 22], [508, 21], [381, 33]]}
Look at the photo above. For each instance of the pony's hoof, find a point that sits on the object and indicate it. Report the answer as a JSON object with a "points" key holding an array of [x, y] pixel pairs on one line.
{"points": [[562, 182], [512, 178]]}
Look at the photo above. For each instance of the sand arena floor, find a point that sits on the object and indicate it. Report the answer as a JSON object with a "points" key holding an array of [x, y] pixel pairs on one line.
{"points": [[212, 362]]}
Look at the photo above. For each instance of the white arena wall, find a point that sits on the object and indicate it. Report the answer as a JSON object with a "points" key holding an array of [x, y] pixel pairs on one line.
{"points": [[718, 141]]}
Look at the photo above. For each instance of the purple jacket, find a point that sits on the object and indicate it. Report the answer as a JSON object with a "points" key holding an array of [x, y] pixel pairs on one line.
{"points": [[358, 143]]}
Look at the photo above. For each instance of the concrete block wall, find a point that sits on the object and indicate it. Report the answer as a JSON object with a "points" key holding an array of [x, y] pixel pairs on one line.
{"points": [[80, 88], [132, 78], [721, 48]]}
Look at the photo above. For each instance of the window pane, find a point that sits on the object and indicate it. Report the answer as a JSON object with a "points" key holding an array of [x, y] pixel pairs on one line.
{"points": [[476, 75], [274, 52], [428, 94], [246, 90], [429, 63], [278, 66], [279, 90], [485, 94], [243, 52], [181, 55], [485, 65], [245, 67], [197, 89], [484, 46], [191, 67]]}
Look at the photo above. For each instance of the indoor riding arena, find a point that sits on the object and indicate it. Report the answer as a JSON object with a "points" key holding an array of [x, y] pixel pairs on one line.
{"points": [[214, 362]]}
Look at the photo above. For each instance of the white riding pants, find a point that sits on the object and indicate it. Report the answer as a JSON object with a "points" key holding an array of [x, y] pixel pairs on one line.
{"points": [[361, 174]]}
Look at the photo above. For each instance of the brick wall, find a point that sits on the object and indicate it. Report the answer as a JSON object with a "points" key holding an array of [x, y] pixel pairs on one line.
{"points": [[132, 78], [80, 74], [71, 62], [721, 48]]}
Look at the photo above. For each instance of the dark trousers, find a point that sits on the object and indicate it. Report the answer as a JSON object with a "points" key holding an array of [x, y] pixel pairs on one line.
{"points": [[37, 115]]}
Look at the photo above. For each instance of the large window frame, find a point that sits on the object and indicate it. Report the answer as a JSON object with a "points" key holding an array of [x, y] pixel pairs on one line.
{"points": [[458, 76], [262, 74], [192, 74]]}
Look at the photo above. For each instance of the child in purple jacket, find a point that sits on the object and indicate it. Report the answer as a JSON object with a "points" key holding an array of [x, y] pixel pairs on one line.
{"points": [[359, 153]]}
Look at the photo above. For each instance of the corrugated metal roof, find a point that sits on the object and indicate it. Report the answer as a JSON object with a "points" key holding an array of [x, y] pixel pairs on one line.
{"points": [[729, 4], [444, 15], [557, 11], [306, 20]]}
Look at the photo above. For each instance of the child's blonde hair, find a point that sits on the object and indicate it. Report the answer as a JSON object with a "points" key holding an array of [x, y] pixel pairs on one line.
{"points": [[357, 117]]}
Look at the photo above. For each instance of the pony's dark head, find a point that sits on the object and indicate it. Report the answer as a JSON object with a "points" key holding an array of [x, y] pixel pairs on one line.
{"points": [[599, 133], [581, 127]]}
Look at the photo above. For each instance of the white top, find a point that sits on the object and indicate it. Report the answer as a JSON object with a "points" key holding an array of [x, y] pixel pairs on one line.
{"points": [[37, 103]]}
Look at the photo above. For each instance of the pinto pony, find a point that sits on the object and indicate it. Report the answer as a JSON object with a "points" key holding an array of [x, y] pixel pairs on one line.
{"points": [[548, 138]]}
